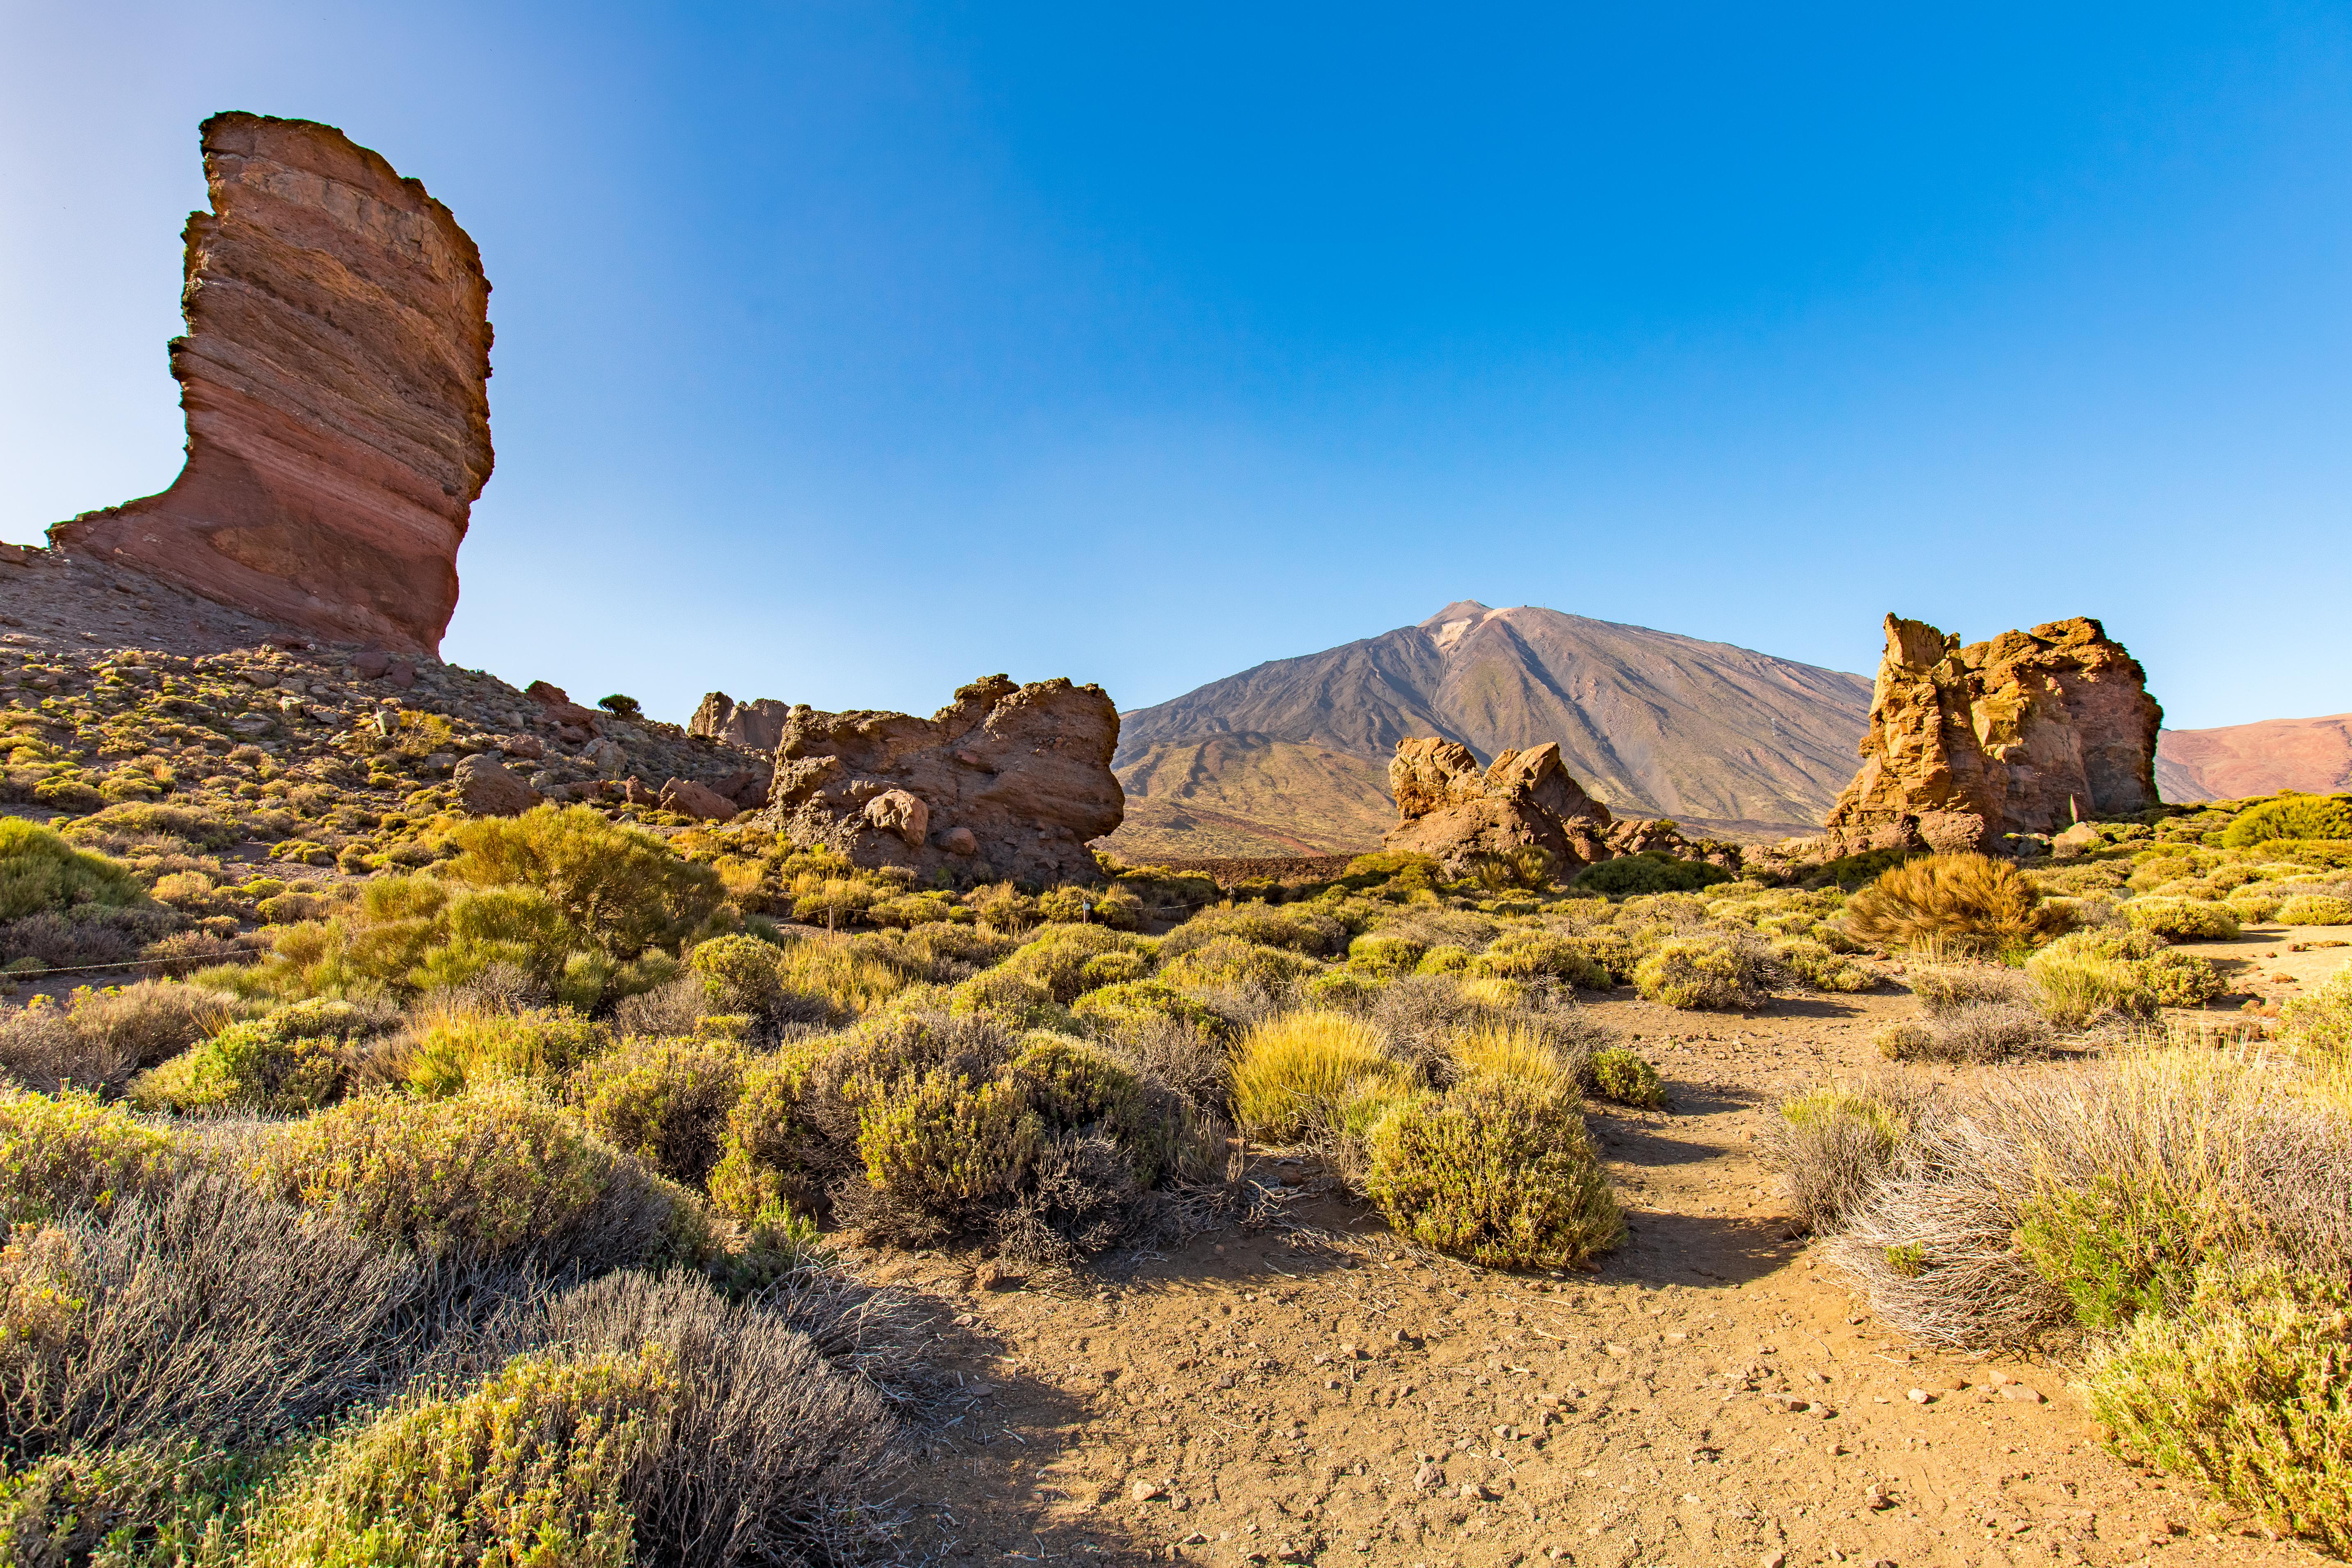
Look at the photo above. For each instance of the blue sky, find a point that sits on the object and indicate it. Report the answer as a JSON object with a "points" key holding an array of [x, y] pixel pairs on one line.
{"points": [[847, 351]]}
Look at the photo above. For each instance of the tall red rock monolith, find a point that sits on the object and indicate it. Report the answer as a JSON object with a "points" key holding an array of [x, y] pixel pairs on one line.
{"points": [[2027, 733], [335, 378]]}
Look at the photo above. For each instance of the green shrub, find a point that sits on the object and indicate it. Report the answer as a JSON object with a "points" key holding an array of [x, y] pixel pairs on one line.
{"points": [[2243, 1391], [1445, 959], [1965, 903], [482, 1175], [1522, 1053], [1112, 969], [1540, 955], [456, 1051], [1019, 1001], [1821, 967], [1072, 1084], [1297, 928], [84, 1506], [2314, 910], [296, 1059], [1134, 1005], [2077, 977], [665, 1101], [39, 871], [1620, 1075], [2189, 920], [1376, 952], [1230, 961], [1650, 871], [943, 1140], [621, 888], [2319, 1022], [2182, 979], [530, 1468], [1058, 956], [2121, 1247], [2254, 906], [1496, 1171], [768, 1163], [1701, 972], [64, 1152], [738, 973], [2291, 816], [1291, 1073]]}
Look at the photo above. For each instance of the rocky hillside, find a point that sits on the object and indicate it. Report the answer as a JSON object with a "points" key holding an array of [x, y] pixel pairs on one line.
{"points": [[2313, 755], [1292, 756]]}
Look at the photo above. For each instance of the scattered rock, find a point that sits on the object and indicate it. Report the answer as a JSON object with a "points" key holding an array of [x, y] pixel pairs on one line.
{"points": [[2022, 1393], [1143, 1490], [1875, 1497], [1449, 809], [1919, 1397], [688, 798], [560, 709], [334, 377], [2028, 734], [1040, 790], [604, 755], [489, 788], [1428, 1478]]}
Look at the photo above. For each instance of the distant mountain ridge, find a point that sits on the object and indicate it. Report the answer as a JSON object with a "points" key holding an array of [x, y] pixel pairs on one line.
{"points": [[1292, 755], [2313, 755]]}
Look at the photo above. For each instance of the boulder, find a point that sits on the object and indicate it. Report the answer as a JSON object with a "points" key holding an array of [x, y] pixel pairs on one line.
{"points": [[560, 709], [688, 798], [1011, 781], [489, 788], [1975, 748], [334, 377], [1450, 808]]}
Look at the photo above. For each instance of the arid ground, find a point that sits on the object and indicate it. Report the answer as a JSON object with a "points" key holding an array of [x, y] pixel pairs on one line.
{"points": [[1309, 1391]]}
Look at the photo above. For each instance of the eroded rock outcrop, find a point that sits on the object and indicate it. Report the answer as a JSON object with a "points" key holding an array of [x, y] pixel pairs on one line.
{"points": [[756, 726], [1006, 780], [1450, 808], [1968, 747], [334, 379]]}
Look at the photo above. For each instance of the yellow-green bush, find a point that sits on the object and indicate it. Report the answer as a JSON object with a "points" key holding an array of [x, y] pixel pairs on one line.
{"points": [[943, 1139], [2291, 815], [66, 1152], [2319, 1022], [1112, 969], [1706, 970], [1496, 1171], [2243, 1390], [766, 1168], [2187, 920], [1292, 1072], [1965, 902], [1527, 954], [1135, 1003], [1019, 1001], [2314, 910], [296, 1059], [1232, 961], [830, 970], [1822, 967], [1832, 1145], [2078, 977], [454, 1050], [1296, 928], [621, 887], [665, 1101], [483, 1175], [738, 973], [1445, 958], [1377, 952], [530, 1468], [1059, 956], [1623, 1076], [1518, 1052], [39, 871]]}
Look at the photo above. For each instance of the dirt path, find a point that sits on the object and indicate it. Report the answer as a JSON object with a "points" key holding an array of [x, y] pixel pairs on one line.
{"points": [[1312, 1392]]}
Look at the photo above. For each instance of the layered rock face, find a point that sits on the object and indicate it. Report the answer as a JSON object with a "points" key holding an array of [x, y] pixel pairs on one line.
{"points": [[1006, 780], [335, 378], [1449, 808], [756, 726], [2024, 734]]}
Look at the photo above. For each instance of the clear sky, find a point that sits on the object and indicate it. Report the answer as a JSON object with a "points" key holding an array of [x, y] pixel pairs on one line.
{"points": [[847, 351]]}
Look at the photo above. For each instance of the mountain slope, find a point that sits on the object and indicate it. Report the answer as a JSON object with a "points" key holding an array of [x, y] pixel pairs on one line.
{"points": [[1294, 754], [2313, 755]]}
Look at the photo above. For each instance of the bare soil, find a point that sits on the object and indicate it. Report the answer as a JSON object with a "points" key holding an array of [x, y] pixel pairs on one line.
{"points": [[1310, 1391]]}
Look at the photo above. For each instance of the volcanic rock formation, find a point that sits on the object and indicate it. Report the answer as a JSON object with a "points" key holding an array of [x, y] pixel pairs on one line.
{"points": [[2024, 735], [334, 382], [1007, 781], [1450, 809], [757, 725]]}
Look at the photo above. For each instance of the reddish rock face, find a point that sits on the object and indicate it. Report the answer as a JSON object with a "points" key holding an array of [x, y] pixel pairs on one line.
{"points": [[334, 377], [1448, 808], [1006, 780], [2023, 735]]}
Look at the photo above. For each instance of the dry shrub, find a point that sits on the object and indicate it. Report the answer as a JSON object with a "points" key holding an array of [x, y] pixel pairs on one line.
{"points": [[1822, 966], [2189, 920], [293, 1060], [1230, 961], [1302, 931], [2314, 910], [2242, 1389], [2319, 1022], [102, 1038], [1190, 1060], [1971, 1032], [2044, 1199], [1060, 957], [1947, 987], [1528, 955], [1970, 902], [769, 1453], [207, 1310], [1496, 1169], [1712, 970], [1832, 1146], [2083, 976], [1516, 1051], [452, 1049]]}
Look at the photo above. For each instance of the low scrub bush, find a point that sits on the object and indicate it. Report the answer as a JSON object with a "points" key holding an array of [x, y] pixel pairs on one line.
{"points": [[1650, 871], [65, 1152], [1703, 970], [1496, 1169], [1822, 967], [2184, 919], [296, 1059], [1948, 987], [1379, 953], [1230, 961], [167, 1495], [1621, 1076], [1971, 1032], [1015, 1000], [39, 871], [2242, 1390], [1526, 1055], [2290, 816], [454, 1050], [1297, 929], [1965, 902], [2319, 1022], [2079, 977], [665, 1101], [1527, 954], [1292, 1073], [1138, 1004], [533, 1465], [2314, 910], [1059, 956], [1832, 1147], [101, 1037], [837, 977]]}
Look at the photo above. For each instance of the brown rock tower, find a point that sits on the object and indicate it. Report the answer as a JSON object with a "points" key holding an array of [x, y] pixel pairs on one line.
{"points": [[334, 377], [2026, 733]]}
